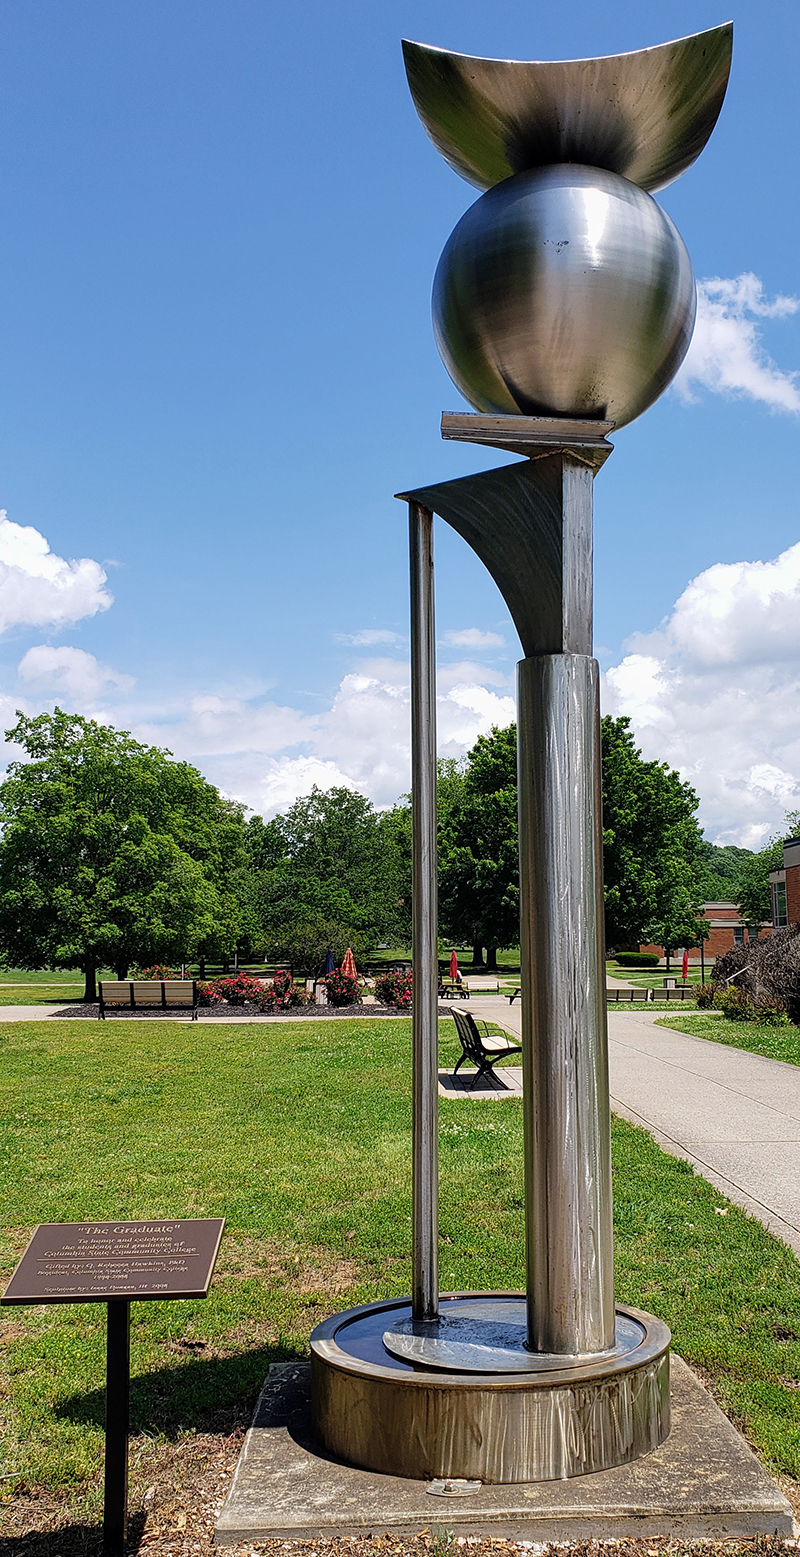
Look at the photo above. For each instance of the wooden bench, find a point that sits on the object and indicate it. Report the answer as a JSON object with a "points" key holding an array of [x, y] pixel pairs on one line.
{"points": [[482, 987], [627, 996], [514, 993], [478, 1044], [148, 995]]}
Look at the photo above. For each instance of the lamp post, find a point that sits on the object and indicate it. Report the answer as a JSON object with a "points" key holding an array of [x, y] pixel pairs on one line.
{"points": [[563, 305]]}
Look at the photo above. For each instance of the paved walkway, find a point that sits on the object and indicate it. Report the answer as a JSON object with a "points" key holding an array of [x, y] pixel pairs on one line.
{"points": [[735, 1116]]}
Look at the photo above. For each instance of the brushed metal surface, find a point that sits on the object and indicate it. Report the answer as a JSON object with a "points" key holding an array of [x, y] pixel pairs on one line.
{"points": [[531, 525], [564, 1038], [489, 1335], [646, 114], [531, 435], [565, 291], [425, 1021], [487, 1427]]}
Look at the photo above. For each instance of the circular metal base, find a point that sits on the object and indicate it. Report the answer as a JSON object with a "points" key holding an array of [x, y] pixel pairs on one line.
{"points": [[489, 1335], [397, 1411]]}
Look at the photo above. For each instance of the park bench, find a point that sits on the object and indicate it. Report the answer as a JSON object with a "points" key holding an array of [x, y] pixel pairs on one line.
{"points": [[478, 1044], [482, 986], [514, 993], [627, 996], [148, 994]]}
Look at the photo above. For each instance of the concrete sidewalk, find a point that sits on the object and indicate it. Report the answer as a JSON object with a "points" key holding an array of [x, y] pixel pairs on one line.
{"points": [[735, 1116]]}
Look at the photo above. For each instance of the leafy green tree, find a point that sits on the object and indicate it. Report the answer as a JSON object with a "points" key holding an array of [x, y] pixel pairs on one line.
{"points": [[719, 868], [650, 845], [111, 852], [330, 860], [478, 860], [753, 897]]}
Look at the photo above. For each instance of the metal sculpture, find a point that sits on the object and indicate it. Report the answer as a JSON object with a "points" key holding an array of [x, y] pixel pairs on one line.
{"points": [[563, 305]]}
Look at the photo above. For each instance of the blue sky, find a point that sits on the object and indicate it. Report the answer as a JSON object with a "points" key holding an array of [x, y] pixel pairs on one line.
{"points": [[220, 227]]}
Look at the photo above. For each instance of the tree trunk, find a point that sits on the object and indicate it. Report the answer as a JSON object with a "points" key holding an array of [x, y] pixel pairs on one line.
{"points": [[226, 964], [121, 970], [202, 972], [90, 980], [477, 956], [491, 959], [667, 954]]}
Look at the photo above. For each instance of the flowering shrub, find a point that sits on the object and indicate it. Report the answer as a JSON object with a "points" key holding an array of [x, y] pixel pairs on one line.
{"points": [[156, 972], [342, 990], [237, 988], [394, 989], [281, 993], [207, 993]]}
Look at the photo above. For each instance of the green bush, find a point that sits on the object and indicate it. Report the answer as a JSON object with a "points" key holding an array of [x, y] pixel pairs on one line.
{"points": [[637, 959], [705, 997], [734, 1004]]}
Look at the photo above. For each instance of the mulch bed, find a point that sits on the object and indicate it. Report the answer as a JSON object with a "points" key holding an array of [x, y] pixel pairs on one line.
{"points": [[296, 1014]]}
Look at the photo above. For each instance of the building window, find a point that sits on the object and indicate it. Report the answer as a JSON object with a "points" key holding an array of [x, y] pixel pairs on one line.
{"points": [[738, 935], [752, 932], [779, 914]]}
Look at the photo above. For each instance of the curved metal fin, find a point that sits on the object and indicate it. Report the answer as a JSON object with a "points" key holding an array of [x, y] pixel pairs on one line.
{"points": [[531, 525], [645, 115]]}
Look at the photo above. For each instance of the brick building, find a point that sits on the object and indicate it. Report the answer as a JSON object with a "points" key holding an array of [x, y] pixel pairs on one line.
{"points": [[727, 928], [785, 887]]}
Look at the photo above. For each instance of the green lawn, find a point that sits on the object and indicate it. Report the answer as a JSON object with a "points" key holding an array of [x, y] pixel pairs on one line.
{"points": [[299, 1134], [778, 1043]]}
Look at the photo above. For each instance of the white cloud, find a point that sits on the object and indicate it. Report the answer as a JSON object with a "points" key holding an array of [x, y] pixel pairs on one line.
{"points": [[38, 588], [726, 354], [715, 691], [473, 638], [369, 637], [267, 754], [70, 671]]}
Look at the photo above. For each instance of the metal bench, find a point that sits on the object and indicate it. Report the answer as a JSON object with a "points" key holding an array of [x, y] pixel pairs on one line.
{"points": [[514, 994], [148, 994], [478, 1044]]}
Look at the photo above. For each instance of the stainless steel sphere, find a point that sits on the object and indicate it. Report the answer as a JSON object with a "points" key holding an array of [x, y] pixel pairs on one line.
{"points": [[564, 291]]}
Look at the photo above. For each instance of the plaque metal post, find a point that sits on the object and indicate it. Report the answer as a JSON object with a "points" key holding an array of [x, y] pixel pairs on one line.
{"points": [[118, 1390]]}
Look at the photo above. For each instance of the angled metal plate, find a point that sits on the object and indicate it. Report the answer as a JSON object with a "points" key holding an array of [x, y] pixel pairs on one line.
{"points": [[531, 526]]}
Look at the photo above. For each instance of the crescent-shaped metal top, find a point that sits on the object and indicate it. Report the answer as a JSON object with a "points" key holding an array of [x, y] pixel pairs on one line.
{"points": [[646, 115]]}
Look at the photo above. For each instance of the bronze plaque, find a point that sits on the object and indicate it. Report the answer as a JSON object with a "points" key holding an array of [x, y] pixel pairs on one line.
{"points": [[95, 1262]]}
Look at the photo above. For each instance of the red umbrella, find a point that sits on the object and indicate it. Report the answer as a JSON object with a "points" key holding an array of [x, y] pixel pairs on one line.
{"points": [[453, 965], [685, 964], [349, 965]]}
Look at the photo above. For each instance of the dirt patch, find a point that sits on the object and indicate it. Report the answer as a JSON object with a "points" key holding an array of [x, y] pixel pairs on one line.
{"points": [[309, 1271]]}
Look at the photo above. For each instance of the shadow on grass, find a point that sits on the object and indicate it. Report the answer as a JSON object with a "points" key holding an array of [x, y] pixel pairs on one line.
{"points": [[202, 1394], [68, 1540]]}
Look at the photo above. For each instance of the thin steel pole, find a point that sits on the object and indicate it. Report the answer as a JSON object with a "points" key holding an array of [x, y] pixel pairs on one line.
{"points": [[118, 1384], [424, 936]]}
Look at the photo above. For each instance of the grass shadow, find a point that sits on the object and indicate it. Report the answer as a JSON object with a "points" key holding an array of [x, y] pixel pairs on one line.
{"points": [[197, 1395], [69, 1540]]}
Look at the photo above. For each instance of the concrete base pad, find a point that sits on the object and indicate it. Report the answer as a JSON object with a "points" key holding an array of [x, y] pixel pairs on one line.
{"points": [[703, 1482]]}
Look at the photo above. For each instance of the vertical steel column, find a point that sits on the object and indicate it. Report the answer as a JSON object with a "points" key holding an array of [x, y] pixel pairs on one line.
{"points": [[565, 1049], [118, 1386], [424, 938]]}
